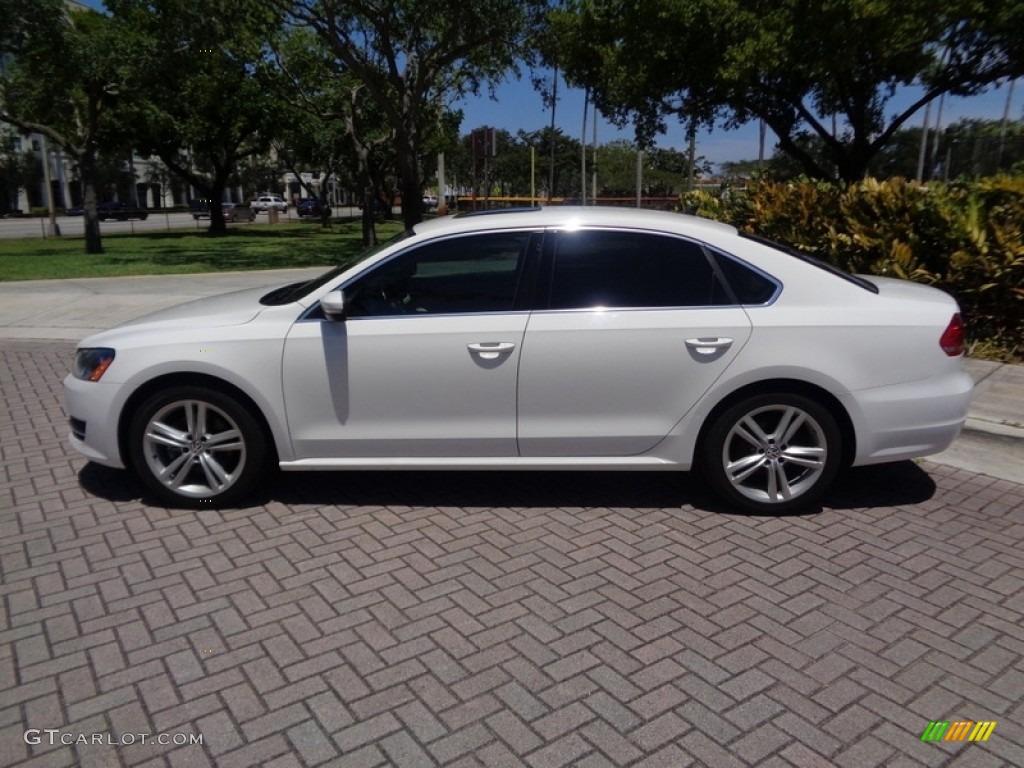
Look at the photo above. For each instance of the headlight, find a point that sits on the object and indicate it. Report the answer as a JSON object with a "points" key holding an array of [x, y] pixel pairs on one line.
{"points": [[92, 363]]}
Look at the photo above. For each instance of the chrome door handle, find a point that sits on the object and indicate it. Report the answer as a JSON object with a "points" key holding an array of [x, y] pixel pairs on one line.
{"points": [[708, 346], [491, 350]]}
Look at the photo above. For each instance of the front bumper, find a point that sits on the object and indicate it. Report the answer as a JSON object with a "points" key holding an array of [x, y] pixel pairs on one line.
{"points": [[95, 409]]}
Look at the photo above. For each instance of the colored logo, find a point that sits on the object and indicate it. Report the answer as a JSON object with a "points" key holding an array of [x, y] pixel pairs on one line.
{"points": [[958, 730]]}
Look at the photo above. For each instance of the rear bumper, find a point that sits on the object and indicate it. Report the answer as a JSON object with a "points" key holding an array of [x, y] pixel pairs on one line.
{"points": [[904, 421]]}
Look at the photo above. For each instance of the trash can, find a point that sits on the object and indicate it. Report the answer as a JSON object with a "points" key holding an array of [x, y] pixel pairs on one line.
{"points": [[272, 214]]}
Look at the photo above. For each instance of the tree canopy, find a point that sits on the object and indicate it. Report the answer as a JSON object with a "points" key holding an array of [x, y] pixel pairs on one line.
{"points": [[64, 78], [200, 97], [829, 69], [414, 56]]}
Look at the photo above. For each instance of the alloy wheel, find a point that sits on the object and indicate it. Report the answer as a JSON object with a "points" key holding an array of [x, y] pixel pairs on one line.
{"points": [[194, 449]]}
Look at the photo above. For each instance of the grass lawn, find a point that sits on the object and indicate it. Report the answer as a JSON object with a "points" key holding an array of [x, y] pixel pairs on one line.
{"points": [[257, 246]]}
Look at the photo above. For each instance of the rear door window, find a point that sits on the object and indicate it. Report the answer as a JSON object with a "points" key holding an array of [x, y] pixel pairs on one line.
{"points": [[626, 269]]}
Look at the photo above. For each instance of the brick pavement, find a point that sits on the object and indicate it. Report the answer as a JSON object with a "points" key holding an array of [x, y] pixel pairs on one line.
{"points": [[411, 619]]}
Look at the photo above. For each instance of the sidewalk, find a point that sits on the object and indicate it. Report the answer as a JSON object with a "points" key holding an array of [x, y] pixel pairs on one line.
{"points": [[71, 309], [992, 442]]}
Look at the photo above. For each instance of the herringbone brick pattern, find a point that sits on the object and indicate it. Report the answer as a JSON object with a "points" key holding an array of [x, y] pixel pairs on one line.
{"points": [[498, 619]]}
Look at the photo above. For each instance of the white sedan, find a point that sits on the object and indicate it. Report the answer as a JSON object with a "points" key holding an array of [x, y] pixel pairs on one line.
{"points": [[541, 339], [265, 203]]}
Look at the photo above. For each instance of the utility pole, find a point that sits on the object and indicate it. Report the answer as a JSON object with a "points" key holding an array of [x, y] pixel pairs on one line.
{"points": [[551, 167], [583, 148], [54, 227], [593, 163], [639, 177], [442, 198], [1006, 121], [924, 142], [691, 157]]}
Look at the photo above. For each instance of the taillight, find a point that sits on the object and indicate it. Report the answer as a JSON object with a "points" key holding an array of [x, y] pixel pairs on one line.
{"points": [[952, 339]]}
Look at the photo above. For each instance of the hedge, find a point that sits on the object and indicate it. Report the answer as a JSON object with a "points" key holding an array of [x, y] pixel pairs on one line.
{"points": [[966, 237]]}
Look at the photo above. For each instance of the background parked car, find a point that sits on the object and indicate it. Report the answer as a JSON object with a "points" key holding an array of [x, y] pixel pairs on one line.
{"points": [[311, 207], [200, 208], [120, 211], [381, 210], [265, 203], [238, 212]]}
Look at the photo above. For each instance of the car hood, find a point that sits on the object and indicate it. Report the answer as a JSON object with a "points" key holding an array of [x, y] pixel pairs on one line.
{"points": [[235, 308]]}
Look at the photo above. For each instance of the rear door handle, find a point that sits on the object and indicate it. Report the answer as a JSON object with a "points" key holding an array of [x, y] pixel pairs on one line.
{"points": [[491, 350], [708, 346]]}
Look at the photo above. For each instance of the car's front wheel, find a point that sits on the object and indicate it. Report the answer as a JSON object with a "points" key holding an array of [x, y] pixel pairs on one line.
{"points": [[195, 447], [772, 453]]}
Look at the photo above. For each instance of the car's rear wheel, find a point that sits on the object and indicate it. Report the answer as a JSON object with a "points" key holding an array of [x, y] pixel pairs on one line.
{"points": [[196, 447], [772, 453]]}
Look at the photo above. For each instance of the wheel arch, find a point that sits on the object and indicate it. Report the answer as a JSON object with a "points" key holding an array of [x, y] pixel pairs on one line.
{"points": [[786, 386], [169, 380]]}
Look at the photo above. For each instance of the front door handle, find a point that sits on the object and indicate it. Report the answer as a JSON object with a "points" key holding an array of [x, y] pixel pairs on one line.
{"points": [[491, 350], [708, 346]]}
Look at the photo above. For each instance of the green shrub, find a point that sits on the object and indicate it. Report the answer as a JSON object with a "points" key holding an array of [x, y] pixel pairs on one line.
{"points": [[965, 237]]}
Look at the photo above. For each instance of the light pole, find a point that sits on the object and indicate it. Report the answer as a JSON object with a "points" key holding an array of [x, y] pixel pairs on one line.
{"points": [[48, 180]]}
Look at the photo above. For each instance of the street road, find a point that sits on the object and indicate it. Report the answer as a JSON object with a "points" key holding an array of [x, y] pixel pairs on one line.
{"points": [[157, 221], [496, 618]]}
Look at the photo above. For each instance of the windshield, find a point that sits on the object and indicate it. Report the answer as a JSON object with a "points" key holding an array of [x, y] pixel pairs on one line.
{"points": [[286, 294]]}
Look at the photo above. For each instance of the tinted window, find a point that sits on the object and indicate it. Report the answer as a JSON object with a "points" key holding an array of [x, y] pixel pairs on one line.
{"points": [[476, 273], [630, 269], [748, 285]]}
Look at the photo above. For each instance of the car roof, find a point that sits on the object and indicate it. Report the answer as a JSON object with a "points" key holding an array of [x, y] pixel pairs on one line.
{"points": [[570, 217]]}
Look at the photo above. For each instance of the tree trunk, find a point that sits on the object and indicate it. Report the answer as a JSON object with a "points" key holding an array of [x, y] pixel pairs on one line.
{"points": [[87, 166], [410, 181], [218, 226], [369, 211]]}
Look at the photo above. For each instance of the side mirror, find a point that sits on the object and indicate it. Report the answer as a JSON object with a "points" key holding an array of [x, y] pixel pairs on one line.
{"points": [[333, 304]]}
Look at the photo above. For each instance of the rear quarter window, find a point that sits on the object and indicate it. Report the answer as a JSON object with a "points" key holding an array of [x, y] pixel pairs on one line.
{"points": [[747, 284]]}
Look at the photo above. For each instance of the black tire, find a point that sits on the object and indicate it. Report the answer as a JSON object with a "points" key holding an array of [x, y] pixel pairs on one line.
{"points": [[217, 465], [772, 453]]}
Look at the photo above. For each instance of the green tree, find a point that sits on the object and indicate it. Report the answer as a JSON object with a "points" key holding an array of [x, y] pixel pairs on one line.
{"points": [[257, 174], [796, 65], [974, 148], [64, 76], [200, 94], [334, 127], [414, 55], [567, 161]]}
